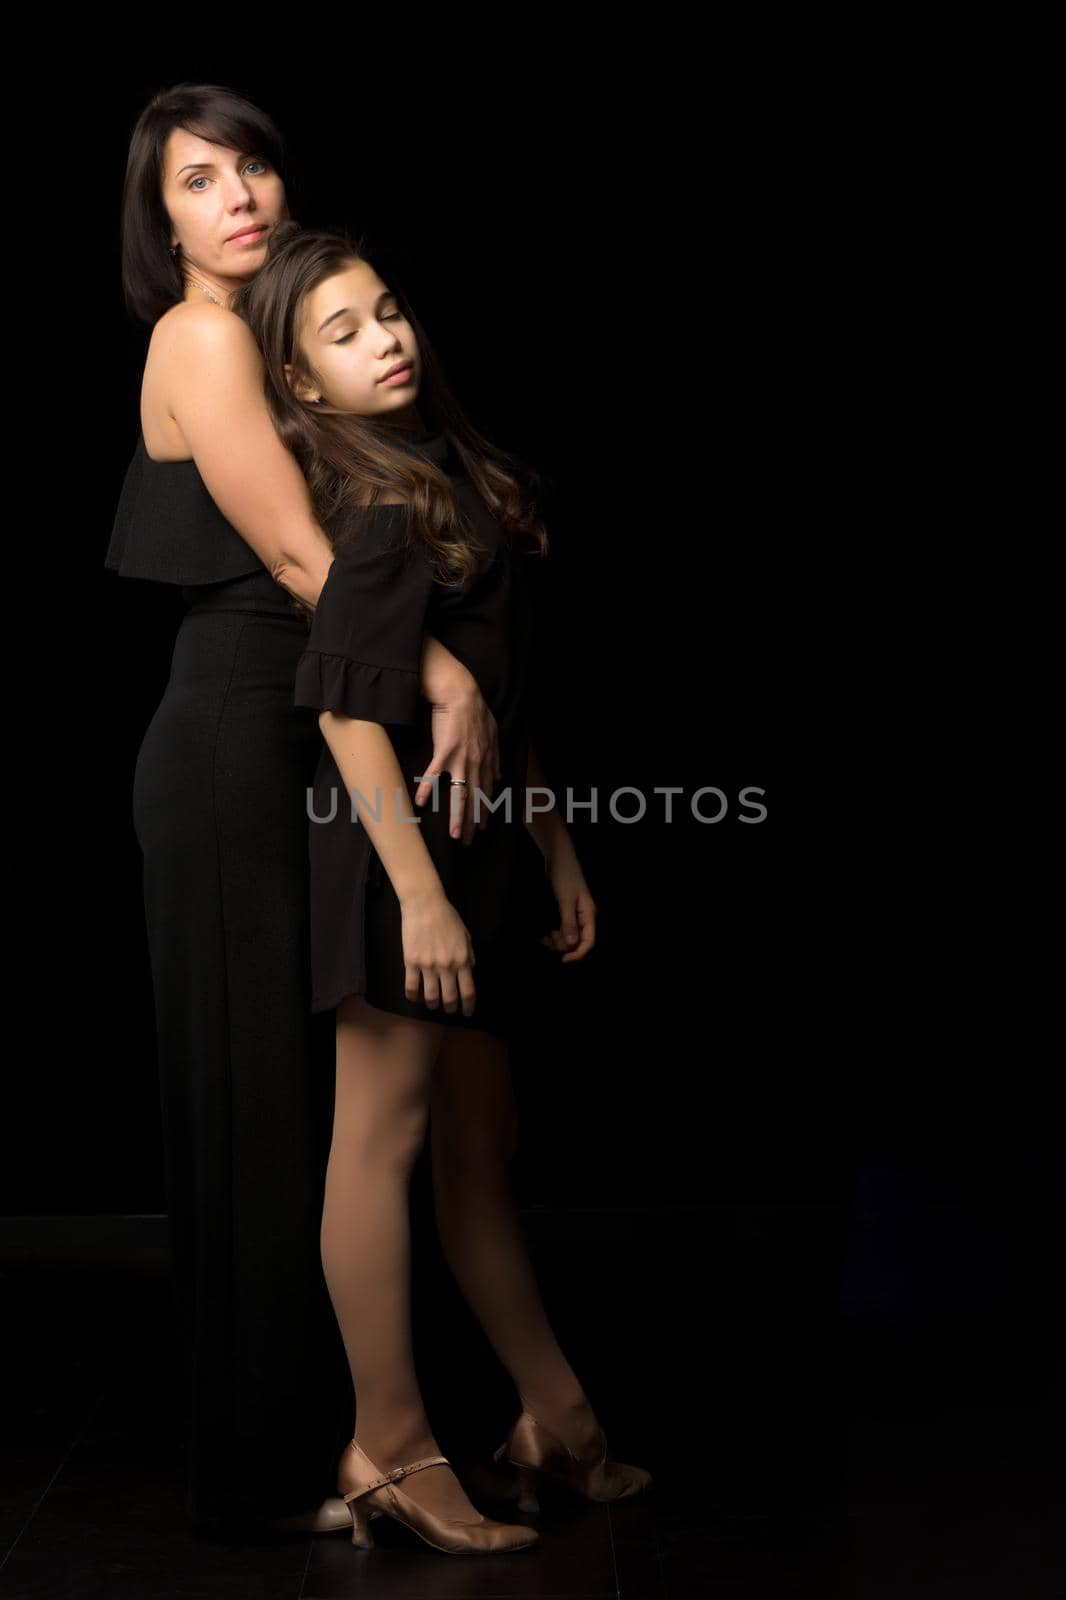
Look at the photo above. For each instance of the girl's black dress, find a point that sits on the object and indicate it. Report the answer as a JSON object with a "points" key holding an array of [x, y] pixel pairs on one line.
{"points": [[246, 1074], [362, 658]]}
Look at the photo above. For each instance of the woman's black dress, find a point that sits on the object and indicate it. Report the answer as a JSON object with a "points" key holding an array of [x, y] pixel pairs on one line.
{"points": [[246, 1074], [362, 658]]}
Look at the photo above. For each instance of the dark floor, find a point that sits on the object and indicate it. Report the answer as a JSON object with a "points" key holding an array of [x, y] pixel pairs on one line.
{"points": [[796, 1452]]}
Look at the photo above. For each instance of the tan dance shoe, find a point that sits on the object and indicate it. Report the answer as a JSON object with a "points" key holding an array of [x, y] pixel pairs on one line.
{"points": [[536, 1453], [330, 1517], [369, 1492]]}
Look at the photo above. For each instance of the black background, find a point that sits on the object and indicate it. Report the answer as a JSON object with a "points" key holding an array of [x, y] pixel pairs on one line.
{"points": [[790, 1158]]}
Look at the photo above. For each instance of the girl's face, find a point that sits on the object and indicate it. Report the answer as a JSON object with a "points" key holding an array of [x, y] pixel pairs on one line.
{"points": [[212, 193], [352, 334]]}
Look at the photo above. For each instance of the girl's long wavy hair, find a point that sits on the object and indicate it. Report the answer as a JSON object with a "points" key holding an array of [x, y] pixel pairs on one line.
{"points": [[349, 459]]}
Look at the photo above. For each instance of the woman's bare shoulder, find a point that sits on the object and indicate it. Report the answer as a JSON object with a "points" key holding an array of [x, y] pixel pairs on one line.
{"points": [[188, 343], [189, 327]]}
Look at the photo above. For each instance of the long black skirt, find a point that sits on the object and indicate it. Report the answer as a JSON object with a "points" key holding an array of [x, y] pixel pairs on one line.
{"points": [[246, 1072]]}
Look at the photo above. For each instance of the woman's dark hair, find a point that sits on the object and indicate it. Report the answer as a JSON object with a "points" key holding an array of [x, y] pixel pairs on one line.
{"points": [[152, 279], [349, 459]]}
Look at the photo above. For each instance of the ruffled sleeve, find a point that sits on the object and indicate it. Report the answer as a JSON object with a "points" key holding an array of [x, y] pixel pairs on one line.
{"points": [[364, 652]]}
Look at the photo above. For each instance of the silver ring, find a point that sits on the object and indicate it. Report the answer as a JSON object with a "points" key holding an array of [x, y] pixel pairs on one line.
{"points": [[454, 781]]}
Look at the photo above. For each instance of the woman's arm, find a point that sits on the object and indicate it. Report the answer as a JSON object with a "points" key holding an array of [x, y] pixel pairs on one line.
{"points": [[465, 736], [215, 394]]}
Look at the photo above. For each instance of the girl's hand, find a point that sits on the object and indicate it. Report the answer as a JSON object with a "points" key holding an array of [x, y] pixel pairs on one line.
{"points": [[466, 740], [576, 933], [437, 953]]}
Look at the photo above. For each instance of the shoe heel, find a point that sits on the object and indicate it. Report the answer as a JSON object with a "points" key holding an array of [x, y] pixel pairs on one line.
{"points": [[362, 1538], [527, 1490]]}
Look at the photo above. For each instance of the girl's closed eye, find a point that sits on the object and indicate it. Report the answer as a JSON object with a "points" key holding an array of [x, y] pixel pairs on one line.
{"points": [[392, 316]]}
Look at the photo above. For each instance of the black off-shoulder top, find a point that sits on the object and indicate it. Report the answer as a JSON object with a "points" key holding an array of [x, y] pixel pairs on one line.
{"points": [[167, 527]]}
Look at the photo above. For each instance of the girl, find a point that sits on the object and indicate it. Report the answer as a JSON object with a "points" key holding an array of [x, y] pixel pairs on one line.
{"points": [[214, 505], [417, 946]]}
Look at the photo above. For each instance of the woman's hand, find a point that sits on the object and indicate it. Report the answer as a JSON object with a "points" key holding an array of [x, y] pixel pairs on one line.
{"points": [[576, 933], [437, 953], [466, 740]]}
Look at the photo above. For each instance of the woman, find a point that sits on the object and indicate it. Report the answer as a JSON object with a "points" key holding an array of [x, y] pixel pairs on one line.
{"points": [[215, 503]]}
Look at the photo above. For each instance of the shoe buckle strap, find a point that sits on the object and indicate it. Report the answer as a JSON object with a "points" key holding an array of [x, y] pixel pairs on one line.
{"points": [[402, 1472]]}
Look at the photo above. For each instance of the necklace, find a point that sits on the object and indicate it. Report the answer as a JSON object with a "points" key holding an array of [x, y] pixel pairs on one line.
{"points": [[213, 297]]}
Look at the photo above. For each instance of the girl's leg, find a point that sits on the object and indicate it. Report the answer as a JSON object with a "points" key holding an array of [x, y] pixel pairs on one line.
{"points": [[384, 1067], [473, 1131]]}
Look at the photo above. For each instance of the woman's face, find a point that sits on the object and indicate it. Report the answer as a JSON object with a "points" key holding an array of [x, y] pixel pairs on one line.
{"points": [[352, 332], [212, 193]]}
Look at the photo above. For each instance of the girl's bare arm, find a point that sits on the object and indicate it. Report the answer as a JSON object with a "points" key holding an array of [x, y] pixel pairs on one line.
{"points": [[548, 830], [367, 761], [438, 956]]}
